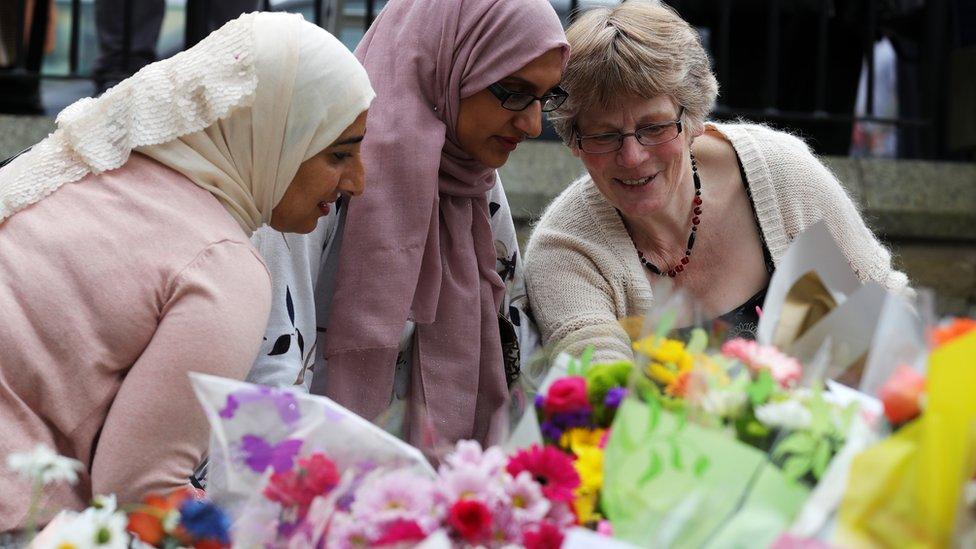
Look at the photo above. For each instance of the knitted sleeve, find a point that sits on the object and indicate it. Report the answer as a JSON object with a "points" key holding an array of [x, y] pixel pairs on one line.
{"points": [[573, 301], [808, 192]]}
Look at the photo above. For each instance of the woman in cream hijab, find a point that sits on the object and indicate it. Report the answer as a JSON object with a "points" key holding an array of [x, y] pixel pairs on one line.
{"points": [[126, 259]]}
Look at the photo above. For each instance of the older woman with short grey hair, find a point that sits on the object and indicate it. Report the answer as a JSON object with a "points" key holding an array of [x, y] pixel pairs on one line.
{"points": [[670, 194]]}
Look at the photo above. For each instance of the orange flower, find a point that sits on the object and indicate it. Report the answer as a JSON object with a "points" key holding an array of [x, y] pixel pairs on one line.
{"points": [[679, 387], [902, 394], [147, 526], [147, 521], [955, 328]]}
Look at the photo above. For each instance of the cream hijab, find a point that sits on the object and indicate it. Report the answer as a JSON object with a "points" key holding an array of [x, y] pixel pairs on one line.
{"points": [[237, 114]]}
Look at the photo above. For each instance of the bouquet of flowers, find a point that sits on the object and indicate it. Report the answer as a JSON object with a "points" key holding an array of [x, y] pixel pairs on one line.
{"points": [[291, 482], [183, 518], [478, 498], [916, 487], [731, 425]]}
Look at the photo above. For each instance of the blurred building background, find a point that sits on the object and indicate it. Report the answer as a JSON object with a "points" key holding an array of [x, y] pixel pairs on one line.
{"points": [[885, 90]]}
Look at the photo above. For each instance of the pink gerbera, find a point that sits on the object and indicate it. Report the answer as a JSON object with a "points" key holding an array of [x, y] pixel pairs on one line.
{"points": [[551, 468]]}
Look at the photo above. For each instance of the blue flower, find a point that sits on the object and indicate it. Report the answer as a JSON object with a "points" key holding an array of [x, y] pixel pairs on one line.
{"points": [[204, 520]]}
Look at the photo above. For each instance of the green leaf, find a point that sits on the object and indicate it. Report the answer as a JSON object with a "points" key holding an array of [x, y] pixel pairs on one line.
{"points": [[697, 342], [653, 469], [800, 442], [761, 389], [820, 412], [585, 359], [676, 461], [795, 467], [667, 321], [681, 415], [572, 367], [700, 466], [821, 458], [654, 415]]}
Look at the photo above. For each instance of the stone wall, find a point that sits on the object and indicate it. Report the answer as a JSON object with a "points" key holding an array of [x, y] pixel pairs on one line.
{"points": [[926, 211]]}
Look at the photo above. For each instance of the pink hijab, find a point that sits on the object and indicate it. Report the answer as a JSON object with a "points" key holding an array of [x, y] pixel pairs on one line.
{"points": [[418, 244]]}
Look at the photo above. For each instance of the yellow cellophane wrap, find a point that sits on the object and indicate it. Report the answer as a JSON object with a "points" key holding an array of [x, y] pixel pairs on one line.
{"points": [[906, 490]]}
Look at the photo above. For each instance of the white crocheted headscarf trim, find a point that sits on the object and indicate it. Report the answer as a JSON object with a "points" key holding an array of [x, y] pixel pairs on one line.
{"points": [[237, 114]]}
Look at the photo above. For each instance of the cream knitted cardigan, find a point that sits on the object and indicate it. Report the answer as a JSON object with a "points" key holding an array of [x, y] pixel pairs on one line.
{"points": [[583, 273]]}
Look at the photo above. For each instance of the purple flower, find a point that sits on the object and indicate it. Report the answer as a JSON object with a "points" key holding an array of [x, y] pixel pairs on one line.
{"points": [[577, 418], [540, 401], [550, 430], [614, 397]]}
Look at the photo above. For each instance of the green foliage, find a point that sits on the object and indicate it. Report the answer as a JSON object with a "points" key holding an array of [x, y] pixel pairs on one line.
{"points": [[761, 388], [808, 452]]}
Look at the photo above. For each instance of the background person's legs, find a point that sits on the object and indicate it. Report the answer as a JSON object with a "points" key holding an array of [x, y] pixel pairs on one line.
{"points": [[112, 66], [222, 11]]}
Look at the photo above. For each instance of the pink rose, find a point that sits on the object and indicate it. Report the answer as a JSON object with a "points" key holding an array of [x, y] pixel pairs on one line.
{"points": [[567, 395]]}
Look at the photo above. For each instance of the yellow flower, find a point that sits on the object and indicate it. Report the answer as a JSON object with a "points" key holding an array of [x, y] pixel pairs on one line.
{"points": [[589, 466], [585, 507], [669, 361], [577, 439]]}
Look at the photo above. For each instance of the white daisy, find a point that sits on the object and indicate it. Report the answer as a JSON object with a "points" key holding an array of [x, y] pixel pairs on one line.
{"points": [[43, 464]]}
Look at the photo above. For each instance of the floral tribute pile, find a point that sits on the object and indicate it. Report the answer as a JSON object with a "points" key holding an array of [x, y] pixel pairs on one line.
{"points": [[688, 446], [478, 498]]}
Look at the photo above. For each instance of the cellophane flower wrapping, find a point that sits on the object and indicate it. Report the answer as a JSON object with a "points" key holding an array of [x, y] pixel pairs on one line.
{"points": [[257, 431]]}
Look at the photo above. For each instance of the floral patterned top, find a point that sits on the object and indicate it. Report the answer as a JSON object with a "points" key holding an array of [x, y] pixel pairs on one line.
{"points": [[303, 267]]}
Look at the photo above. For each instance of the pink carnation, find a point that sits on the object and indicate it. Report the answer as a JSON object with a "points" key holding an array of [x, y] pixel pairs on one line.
{"points": [[546, 536], [400, 531], [785, 369]]}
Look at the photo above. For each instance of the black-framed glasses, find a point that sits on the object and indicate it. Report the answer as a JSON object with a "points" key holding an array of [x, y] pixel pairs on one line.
{"points": [[648, 136], [519, 101]]}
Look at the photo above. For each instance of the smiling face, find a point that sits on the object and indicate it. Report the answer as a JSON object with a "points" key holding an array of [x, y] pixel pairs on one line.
{"points": [[337, 169], [489, 132], [637, 180]]}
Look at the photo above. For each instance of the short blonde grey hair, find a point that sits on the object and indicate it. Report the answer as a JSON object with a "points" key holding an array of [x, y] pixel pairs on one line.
{"points": [[640, 48]]}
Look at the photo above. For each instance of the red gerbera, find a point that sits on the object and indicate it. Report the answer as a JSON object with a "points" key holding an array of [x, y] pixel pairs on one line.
{"points": [[471, 519], [551, 468], [546, 536]]}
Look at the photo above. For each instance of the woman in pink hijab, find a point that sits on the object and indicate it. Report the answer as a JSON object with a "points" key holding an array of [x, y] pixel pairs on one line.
{"points": [[459, 84]]}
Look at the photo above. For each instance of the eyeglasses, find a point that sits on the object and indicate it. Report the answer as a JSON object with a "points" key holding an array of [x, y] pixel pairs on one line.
{"points": [[519, 101], [648, 136]]}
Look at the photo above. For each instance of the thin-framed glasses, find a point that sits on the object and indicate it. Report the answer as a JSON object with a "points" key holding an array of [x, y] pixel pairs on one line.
{"points": [[519, 101], [648, 136]]}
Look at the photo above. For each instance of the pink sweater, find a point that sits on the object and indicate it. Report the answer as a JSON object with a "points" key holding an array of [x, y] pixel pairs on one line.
{"points": [[111, 290]]}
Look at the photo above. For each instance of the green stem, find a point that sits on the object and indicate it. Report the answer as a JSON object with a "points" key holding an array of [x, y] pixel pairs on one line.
{"points": [[32, 510]]}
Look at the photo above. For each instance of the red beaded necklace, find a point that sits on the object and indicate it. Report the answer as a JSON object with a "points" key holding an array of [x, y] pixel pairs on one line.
{"points": [[696, 205]]}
